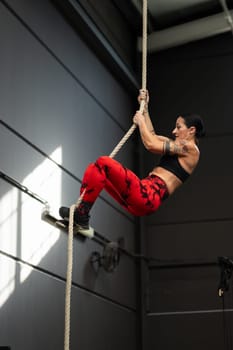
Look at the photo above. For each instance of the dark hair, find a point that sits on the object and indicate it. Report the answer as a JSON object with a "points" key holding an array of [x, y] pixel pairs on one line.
{"points": [[194, 120]]}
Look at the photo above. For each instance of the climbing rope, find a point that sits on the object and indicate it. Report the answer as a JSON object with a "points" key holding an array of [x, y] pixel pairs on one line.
{"points": [[69, 272], [69, 278], [112, 155], [144, 79]]}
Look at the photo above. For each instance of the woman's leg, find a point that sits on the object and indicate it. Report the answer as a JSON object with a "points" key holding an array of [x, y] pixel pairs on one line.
{"points": [[107, 174], [136, 196]]}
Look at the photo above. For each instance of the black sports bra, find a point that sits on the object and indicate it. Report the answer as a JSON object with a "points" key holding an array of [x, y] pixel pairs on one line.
{"points": [[172, 164]]}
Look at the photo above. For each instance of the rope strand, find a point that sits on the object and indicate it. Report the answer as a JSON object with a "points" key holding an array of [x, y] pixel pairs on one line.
{"points": [[144, 80], [144, 45], [69, 278], [69, 272]]}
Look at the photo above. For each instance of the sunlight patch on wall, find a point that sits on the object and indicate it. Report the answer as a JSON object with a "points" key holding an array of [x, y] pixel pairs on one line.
{"points": [[39, 237], [7, 279], [22, 232], [8, 220], [8, 227]]}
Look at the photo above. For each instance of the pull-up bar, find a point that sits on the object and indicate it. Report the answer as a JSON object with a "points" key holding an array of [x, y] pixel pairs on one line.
{"points": [[23, 188]]}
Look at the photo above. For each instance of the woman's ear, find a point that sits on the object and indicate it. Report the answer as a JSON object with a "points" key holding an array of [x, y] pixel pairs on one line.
{"points": [[192, 130]]}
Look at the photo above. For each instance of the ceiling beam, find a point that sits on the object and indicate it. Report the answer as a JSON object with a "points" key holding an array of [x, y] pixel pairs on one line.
{"points": [[186, 33]]}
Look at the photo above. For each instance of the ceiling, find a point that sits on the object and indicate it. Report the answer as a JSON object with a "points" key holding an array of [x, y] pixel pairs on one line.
{"points": [[170, 23], [176, 22]]}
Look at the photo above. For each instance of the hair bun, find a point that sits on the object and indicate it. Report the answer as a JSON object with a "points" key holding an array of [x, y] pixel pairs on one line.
{"points": [[195, 120]]}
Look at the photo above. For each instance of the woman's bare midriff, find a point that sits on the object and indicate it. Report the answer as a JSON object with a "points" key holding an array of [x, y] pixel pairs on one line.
{"points": [[170, 179]]}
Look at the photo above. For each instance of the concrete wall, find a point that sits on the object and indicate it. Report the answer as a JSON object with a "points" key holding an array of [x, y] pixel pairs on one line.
{"points": [[194, 226], [60, 109]]}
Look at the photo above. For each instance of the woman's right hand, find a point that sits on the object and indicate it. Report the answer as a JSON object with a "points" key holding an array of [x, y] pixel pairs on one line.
{"points": [[138, 118]]}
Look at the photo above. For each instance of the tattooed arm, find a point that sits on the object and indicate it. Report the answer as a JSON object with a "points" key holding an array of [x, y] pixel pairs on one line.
{"points": [[156, 143], [151, 141], [171, 147]]}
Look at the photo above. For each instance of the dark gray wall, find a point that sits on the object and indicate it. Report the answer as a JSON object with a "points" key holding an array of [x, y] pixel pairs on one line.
{"points": [[182, 307], [64, 103]]}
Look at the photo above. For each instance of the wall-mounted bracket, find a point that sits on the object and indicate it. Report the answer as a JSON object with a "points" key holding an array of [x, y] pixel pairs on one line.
{"points": [[109, 259]]}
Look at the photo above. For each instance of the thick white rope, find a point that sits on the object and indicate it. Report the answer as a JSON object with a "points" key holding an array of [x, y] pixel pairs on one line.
{"points": [[144, 79], [69, 272], [112, 155], [69, 278]]}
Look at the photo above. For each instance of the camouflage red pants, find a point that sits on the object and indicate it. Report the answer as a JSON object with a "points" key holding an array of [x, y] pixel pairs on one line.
{"points": [[139, 197]]}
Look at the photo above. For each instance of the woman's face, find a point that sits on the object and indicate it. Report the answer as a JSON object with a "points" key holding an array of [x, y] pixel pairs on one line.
{"points": [[181, 130]]}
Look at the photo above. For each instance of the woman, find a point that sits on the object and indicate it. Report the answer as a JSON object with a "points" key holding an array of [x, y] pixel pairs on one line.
{"points": [[143, 197]]}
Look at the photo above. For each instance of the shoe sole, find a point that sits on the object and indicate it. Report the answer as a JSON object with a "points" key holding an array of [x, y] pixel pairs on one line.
{"points": [[89, 232]]}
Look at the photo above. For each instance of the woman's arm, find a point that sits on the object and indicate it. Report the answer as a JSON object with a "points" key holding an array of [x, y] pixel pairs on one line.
{"points": [[150, 140], [155, 143], [144, 95]]}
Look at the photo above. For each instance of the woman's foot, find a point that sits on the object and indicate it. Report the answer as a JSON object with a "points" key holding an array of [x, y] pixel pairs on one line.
{"points": [[79, 220]]}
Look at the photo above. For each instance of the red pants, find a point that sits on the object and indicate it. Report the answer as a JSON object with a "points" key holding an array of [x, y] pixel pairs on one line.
{"points": [[139, 197]]}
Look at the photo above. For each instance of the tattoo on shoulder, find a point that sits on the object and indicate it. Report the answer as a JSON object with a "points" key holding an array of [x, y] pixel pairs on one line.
{"points": [[180, 149], [170, 147]]}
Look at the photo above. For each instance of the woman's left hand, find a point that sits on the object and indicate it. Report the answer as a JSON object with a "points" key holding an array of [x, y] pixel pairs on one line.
{"points": [[143, 96]]}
